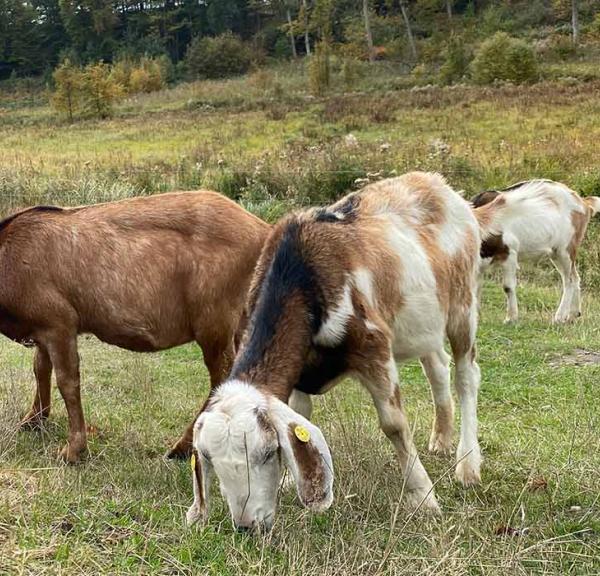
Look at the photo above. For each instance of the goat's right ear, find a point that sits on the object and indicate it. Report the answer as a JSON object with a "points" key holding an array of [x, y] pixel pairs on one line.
{"points": [[201, 476], [307, 456]]}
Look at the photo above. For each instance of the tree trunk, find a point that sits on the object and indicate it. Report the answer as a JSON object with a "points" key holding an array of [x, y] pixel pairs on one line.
{"points": [[368, 30], [306, 37], [411, 39], [575, 21], [292, 39], [449, 9]]}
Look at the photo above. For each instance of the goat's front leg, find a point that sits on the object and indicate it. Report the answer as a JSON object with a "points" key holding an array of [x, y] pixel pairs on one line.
{"points": [[40, 409], [201, 475], [382, 383], [302, 403], [62, 349], [218, 357]]}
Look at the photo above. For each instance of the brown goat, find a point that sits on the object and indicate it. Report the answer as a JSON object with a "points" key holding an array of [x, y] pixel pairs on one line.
{"points": [[144, 274]]}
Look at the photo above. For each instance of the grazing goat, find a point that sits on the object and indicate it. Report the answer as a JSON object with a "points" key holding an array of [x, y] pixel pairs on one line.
{"points": [[527, 221], [144, 274], [384, 274]]}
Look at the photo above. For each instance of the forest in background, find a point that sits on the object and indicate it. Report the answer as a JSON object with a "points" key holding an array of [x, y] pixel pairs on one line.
{"points": [[37, 35]]}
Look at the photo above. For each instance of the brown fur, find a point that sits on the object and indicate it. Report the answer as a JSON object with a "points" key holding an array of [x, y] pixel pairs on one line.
{"points": [[580, 221], [144, 274], [310, 465]]}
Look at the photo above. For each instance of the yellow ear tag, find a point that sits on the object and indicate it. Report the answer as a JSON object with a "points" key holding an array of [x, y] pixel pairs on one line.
{"points": [[193, 462], [302, 433]]}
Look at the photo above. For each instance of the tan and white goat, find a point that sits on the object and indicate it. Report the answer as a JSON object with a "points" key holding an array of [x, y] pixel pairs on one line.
{"points": [[530, 220], [384, 274]]}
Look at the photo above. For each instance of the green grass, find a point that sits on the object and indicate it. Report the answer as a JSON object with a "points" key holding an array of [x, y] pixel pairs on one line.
{"points": [[266, 142], [122, 512]]}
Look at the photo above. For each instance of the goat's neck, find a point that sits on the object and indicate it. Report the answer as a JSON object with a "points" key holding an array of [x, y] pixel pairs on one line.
{"points": [[273, 359]]}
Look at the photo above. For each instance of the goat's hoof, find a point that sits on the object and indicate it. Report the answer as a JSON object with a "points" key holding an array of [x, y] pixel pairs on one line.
{"points": [[508, 320], [467, 473], [439, 444], [71, 455], [32, 421], [179, 451], [423, 501]]}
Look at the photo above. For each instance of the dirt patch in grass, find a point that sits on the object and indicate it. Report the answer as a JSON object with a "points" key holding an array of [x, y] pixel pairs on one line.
{"points": [[579, 357]]}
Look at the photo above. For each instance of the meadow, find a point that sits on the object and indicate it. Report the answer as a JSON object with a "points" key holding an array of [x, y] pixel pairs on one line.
{"points": [[264, 141]]}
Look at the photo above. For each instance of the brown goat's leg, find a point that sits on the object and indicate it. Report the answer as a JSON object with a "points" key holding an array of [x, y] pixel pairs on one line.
{"points": [[40, 410], [65, 359], [218, 360]]}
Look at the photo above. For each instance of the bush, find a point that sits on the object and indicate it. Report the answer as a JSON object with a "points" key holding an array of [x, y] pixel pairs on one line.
{"points": [[456, 64], [68, 82], [502, 57], [218, 57], [147, 77], [99, 90], [319, 70]]}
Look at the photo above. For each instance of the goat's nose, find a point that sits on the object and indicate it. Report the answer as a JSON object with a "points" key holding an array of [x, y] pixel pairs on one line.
{"points": [[242, 529]]}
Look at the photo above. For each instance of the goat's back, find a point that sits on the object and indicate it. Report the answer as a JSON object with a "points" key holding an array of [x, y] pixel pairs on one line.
{"points": [[135, 272]]}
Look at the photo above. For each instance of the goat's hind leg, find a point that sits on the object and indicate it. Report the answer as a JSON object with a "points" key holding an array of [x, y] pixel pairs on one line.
{"points": [[40, 409], [569, 306], [382, 383], [436, 367]]}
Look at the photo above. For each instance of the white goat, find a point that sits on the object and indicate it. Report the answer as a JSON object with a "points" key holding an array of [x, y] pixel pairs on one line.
{"points": [[530, 220], [385, 274]]}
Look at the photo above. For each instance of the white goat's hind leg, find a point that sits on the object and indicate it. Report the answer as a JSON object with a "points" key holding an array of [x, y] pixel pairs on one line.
{"points": [[436, 367], [564, 265], [509, 274], [467, 380], [385, 391]]}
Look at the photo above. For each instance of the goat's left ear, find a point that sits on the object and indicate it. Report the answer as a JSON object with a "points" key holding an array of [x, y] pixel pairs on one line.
{"points": [[307, 456]]}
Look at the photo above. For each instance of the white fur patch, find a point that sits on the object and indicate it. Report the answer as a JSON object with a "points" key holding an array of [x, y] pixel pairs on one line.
{"points": [[363, 280], [333, 329]]}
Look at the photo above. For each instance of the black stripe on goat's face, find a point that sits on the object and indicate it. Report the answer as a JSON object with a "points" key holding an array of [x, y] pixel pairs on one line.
{"points": [[288, 273]]}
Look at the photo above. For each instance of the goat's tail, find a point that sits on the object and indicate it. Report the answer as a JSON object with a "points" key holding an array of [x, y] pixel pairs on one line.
{"points": [[593, 202]]}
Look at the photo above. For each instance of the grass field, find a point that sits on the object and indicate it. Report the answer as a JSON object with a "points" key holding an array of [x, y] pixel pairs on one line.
{"points": [[122, 512], [265, 142]]}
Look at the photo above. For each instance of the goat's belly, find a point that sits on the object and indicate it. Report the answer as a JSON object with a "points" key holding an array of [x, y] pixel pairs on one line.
{"points": [[419, 328]]}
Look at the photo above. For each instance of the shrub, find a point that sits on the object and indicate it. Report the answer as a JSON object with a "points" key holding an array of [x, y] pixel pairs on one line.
{"points": [[68, 81], [456, 64], [121, 73], [351, 73], [319, 70], [147, 76], [99, 90], [218, 57], [502, 57]]}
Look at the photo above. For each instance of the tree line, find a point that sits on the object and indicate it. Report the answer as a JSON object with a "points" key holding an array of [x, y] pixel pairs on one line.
{"points": [[36, 35]]}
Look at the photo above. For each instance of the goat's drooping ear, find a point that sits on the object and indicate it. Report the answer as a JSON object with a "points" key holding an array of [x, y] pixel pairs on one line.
{"points": [[201, 476], [307, 456]]}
